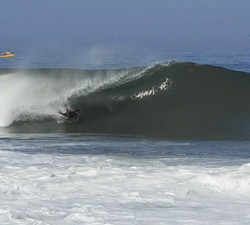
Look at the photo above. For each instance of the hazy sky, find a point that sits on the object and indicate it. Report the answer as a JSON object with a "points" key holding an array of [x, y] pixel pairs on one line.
{"points": [[149, 21]]}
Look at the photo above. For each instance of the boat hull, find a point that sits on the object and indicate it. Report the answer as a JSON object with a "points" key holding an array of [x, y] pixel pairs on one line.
{"points": [[6, 56]]}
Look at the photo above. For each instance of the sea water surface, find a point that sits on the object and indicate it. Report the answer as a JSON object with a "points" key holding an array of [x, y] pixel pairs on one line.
{"points": [[88, 179], [163, 135]]}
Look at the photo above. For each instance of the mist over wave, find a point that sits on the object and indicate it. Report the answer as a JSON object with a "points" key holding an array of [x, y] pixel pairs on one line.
{"points": [[174, 100], [37, 94]]}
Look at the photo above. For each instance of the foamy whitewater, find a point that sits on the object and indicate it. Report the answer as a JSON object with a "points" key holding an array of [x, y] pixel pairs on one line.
{"points": [[162, 138], [81, 179]]}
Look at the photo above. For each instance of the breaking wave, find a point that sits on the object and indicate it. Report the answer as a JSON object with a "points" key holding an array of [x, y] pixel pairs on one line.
{"points": [[171, 100]]}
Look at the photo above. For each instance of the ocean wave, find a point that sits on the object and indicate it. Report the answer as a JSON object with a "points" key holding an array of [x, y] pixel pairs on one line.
{"points": [[172, 100]]}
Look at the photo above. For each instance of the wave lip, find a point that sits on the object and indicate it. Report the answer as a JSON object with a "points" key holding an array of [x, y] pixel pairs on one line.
{"points": [[173, 100]]}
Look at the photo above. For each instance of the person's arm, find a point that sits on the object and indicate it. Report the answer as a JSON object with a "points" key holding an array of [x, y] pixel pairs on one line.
{"points": [[67, 110]]}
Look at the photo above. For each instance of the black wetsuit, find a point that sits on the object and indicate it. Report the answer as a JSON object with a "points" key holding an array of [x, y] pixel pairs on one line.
{"points": [[72, 114]]}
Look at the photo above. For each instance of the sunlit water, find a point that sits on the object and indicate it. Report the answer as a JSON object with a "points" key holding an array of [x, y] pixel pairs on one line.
{"points": [[83, 179]]}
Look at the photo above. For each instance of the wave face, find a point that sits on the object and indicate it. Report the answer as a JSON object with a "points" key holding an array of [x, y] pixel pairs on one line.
{"points": [[172, 100]]}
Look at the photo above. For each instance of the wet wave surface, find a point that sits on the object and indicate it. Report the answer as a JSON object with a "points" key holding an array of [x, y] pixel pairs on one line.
{"points": [[172, 100]]}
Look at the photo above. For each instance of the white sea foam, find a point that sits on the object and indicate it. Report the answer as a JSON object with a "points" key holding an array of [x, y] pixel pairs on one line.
{"points": [[28, 96], [40, 185]]}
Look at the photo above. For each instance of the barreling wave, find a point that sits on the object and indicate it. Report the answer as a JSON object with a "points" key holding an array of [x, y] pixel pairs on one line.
{"points": [[171, 100]]}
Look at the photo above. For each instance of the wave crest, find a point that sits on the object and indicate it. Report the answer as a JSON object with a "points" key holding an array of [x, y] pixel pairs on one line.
{"points": [[174, 100]]}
